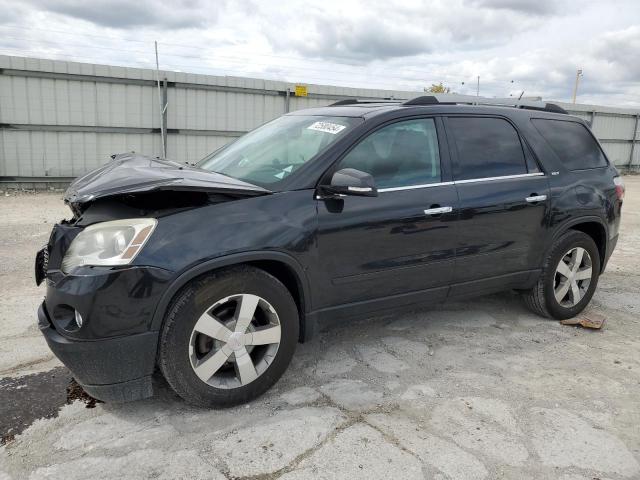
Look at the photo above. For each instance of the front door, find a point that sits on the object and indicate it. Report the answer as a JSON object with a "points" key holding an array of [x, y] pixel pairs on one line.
{"points": [[397, 247]]}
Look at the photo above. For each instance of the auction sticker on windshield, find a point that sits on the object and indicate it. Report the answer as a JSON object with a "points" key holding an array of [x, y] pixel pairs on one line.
{"points": [[326, 127]]}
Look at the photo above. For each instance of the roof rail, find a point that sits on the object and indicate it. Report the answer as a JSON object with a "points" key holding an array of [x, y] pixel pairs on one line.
{"points": [[423, 100], [364, 101], [453, 99]]}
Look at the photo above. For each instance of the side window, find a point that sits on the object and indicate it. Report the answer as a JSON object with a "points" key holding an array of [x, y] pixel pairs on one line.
{"points": [[399, 155], [487, 147], [572, 143]]}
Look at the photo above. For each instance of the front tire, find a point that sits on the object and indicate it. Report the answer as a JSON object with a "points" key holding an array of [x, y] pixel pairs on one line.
{"points": [[569, 277], [228, 337]]}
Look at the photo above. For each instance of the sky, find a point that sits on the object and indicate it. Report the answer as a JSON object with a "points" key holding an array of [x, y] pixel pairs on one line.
{"points": [[535, 46]]}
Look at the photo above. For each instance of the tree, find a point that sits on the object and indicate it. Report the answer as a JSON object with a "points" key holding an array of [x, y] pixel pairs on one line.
{"points": [[439, 88]]}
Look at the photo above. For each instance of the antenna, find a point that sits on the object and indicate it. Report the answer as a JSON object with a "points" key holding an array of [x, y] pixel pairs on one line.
{"points": [[162, 107]]}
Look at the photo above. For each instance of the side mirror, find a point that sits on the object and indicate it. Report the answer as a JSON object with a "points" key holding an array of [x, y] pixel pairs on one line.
{"points": [[350, 181]]}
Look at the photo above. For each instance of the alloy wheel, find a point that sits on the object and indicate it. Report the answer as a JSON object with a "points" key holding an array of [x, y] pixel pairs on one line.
{"points": [[572, 277], [234, 341]]}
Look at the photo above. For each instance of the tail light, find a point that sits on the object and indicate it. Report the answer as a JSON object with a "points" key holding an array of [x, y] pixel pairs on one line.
{"points": [[617, 181]]}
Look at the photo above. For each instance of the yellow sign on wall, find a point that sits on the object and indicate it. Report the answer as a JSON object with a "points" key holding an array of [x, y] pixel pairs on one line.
{"points": [[301, 90]]}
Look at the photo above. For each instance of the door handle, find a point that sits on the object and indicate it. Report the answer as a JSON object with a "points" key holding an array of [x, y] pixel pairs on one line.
{"points": [[536, 198], [438, 210]]}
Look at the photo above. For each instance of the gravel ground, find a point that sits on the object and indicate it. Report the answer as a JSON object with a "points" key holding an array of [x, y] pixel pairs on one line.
{"points": [[480, 389]]}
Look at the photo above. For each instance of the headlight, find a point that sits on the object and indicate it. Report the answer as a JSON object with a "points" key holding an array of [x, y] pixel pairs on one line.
{"points": [[109, 243]]}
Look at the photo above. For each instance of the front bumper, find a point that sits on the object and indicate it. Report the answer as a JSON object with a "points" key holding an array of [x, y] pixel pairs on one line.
{"points": [[113, 369], [98, 320]]}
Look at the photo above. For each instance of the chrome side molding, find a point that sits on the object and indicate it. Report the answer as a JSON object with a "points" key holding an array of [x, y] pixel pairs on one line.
{"points": [[456, 182]]}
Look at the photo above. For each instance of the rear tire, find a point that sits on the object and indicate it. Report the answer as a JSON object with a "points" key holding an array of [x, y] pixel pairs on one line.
{"points": [[569, 277], [228, 337]]}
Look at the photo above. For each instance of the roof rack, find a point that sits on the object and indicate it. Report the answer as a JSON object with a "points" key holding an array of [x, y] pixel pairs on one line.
{"points": [[452, 99], [364, 101]]}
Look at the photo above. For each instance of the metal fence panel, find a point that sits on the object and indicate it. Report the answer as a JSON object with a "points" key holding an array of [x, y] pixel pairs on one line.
{"points": [[61, 119]]}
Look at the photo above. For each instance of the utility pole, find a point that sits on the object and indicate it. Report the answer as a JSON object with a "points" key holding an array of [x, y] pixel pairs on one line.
{"points": [[162, 107], [575, 87]]}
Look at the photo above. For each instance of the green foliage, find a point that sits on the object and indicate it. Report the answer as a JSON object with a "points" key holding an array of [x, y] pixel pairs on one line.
{"points": [[439, 88]]}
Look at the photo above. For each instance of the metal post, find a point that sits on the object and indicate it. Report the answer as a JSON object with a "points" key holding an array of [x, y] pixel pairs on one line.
{"points": [[165, 103], [593, 118], [633, 142], [164, 153], [286, 100], [478, 87], [575, 87]]}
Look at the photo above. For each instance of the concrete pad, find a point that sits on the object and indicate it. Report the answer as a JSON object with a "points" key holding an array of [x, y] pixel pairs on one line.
{"points": [[271, 444], [563, 439], [114, 432], [417, 393], [489, 352], [31, 350], [335, 362], [359, 452], [158, 464], [441, 454], [378, 358], [481, 424], [466, 319], [352, 394], [300, 395], [417, 351]]}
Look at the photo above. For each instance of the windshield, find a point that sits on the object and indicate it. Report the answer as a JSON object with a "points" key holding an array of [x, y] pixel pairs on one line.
{"points": [[275, 150]]}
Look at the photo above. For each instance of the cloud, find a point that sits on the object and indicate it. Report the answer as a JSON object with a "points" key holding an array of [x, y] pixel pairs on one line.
{"points": [[382, 31], [513, 45], [124, 14], [620, 51], [535, 7]]}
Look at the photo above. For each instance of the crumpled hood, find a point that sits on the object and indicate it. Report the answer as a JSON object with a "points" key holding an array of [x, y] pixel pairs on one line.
{"points": [[133, 173]]}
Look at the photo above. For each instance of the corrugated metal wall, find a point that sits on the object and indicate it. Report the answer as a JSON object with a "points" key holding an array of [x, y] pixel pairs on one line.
{"points": [[61, 119]]}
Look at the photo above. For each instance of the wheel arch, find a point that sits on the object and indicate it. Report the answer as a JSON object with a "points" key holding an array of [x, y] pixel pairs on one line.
{"points": [[281, 265], [593, 226]]}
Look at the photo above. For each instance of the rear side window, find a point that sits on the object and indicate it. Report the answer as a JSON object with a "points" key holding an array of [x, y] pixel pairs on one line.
{"points": [[402, 154], [572, 143], [487, 147]]}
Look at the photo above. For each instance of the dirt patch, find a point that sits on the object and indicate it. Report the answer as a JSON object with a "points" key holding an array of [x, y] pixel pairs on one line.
{"points": [[75, 392], [25, 399]]}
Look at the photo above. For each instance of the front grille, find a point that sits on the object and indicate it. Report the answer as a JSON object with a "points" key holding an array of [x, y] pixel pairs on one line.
{"points": [[41, 264]]}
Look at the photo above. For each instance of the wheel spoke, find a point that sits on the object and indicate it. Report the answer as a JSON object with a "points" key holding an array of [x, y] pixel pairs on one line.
{"points": [[577, 260], [563, 269], [584, 274], [562, 290], [264, 336], [244, 333], [212, 327], [211, 364], [575, 292], [245, 311], [245, 369]]}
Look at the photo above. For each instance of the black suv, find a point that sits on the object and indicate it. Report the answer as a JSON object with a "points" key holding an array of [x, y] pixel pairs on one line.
{"points": [[214, 272]]}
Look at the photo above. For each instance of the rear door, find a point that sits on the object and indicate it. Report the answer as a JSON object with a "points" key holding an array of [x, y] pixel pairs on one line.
{"points": [[387, 246], [504, 199]]}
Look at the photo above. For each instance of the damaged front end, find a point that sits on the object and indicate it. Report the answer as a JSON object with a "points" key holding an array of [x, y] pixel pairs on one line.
{"points": [[133, 175], [100, 302], [134, 186]]}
